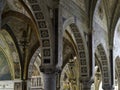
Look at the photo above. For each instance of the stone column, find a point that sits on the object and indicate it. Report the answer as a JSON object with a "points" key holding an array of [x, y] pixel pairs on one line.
{"points": [[24, 85], [49, 81], [108, 88], [86, 86]]}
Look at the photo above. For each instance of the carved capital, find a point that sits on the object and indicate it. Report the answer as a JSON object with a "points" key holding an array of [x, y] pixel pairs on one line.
{"points": [[49, 69]]}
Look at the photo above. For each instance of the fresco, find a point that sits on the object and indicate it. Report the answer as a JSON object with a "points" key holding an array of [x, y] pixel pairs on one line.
{"points": [[4, 68], [14, 53]]}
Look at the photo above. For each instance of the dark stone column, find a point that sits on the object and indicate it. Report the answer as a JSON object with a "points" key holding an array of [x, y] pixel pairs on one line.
{"points": [[49, 81], [86, 85], [24, 85]]}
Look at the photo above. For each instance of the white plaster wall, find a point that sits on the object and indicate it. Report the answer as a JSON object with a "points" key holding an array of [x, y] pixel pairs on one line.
{"points": [[100, 36], [6, 85], [9, 85], [116, 47]]}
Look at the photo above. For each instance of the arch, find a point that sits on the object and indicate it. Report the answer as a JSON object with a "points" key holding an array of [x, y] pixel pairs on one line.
{"points": [[12, 53], [7, 45], [31, 63], [79, 39], [35, 76], [69, 78], [82, 50], [22, 17], [29, 25], [105, 66], [114, 22], [4, 45], [45, 28], [68, 51], [9, 30], [100, 31], [6, 70], [60, 40]]}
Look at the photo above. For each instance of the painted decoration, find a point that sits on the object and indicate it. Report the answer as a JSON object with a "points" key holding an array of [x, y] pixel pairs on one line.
{"points": [[4, 68]]}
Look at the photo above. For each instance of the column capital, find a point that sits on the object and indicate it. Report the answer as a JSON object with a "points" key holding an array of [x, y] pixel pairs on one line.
{"points": [[49, 70], [87, 80]]}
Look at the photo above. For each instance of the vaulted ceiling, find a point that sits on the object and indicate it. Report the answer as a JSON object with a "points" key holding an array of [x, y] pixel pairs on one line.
{"points": [[18, 19]]}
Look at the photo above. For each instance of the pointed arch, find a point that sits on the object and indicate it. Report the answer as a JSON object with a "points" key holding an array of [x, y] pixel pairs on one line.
{"points": [[82, 50], [105, 65], [9, 50], [78, 37], [6, 68], [42, 19], [22, 17], [12, 52], [31, 63]]}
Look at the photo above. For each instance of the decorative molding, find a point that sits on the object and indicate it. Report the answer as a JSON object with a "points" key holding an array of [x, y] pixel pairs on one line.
{"points": [[84, 63], [105, 64], [46, 50]]}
